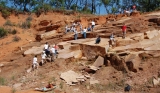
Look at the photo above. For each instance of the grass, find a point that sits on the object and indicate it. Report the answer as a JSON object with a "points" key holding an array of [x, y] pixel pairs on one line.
{"points": [[61, 85], [2, 81]]}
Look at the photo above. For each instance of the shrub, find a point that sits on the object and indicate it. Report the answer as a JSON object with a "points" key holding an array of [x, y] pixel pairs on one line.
{"points": [[3, 32], [11, 31], [2, 81], [16, 38], [25, 25], [14, 32], [8, 23], [5, 13], [29, 18]]}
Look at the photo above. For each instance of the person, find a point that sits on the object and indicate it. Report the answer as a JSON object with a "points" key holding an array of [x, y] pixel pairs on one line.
{"points": [[43, 55], [112, 36], [93, 24], [53, 53], [81, 27], [84, 32], [35, 63], [67, 29], [46, 47], [127, 12], [124, 28], [127, 88], [111, 40], [56, 48], [98, 40], [49, 85], [134, 7], [75, 34], [72, 29], [89, 28]]}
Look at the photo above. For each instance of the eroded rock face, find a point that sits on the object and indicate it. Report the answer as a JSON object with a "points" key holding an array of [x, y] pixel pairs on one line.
{"points": [[132, 62], [44, 23], [116, 62], [91, 52], [135, 13], [46, 35]]}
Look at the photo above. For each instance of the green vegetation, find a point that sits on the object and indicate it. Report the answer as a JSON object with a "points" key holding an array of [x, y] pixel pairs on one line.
{"points": [[13, 90], [61, 85], [83, 6], [16, 39], [8, 23], [3, 32], [26, 24], [5, 13], [2, 81]]}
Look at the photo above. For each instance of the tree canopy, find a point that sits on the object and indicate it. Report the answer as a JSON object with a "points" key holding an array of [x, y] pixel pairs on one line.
{"points": [[86, 6]]}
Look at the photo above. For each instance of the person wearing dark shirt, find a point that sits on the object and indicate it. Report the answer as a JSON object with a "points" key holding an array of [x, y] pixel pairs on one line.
{"points": [[98, 40]]}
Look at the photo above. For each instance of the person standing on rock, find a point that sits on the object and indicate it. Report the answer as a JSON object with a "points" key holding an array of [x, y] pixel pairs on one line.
{"points": [[56, 48], [134, 7], [98, 40], [35, 63], [46, 47], [43, 57], [75, 34], [124, 28], [93, 24], [53, 53], [84, 32]]}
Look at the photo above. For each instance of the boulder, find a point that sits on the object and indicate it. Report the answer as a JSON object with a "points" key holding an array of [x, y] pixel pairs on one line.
{"points": [[156, 81], [90, 49], [46, 35], [132, 62], [116, 61], [99, 62], [151, 34]]}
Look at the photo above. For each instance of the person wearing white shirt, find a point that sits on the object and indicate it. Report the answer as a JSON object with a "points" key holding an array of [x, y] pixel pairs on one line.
{"points": [[67, 29], [35, 63], [46, 47], [84, 32], [93, 24], [53, 53], [75, 34], [43, 57]]}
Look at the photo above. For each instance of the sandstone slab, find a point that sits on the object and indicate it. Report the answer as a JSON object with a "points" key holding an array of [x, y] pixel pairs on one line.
{"points": [[156, 81], [64, 45], [99, 62], [71, 77], [69, 54], [34, 50], [132, 62]]}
